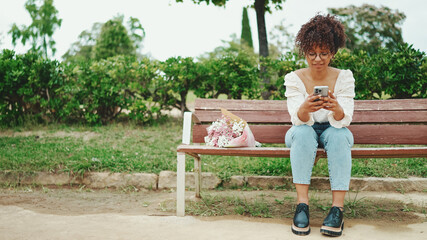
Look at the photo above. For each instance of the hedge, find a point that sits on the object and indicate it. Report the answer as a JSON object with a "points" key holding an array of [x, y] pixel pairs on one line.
{"points": [[98, 92]]}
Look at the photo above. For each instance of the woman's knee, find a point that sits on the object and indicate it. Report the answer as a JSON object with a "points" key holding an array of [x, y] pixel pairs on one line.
{"points": [[337, 136], [300, 133]]}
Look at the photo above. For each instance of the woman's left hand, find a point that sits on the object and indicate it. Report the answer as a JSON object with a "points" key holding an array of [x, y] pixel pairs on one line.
{"points": [[332, 104]]}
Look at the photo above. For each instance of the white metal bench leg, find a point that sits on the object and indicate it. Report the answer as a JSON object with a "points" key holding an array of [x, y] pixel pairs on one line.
{"points": [[180, 185], [198, 175], [180, 170]]}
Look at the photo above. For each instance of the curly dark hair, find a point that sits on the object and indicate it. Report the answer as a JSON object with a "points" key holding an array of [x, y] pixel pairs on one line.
{"points": [[323, 31]]}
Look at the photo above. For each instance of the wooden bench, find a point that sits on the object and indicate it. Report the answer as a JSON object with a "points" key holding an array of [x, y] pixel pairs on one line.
{"points": [[376, 122]]}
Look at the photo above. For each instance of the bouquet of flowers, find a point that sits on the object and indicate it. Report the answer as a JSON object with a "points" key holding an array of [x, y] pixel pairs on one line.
{"points": [[230, 131]]}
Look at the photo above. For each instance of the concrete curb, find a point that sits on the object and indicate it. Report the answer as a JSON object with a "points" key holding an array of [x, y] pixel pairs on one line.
{"points": [[167, 180]]}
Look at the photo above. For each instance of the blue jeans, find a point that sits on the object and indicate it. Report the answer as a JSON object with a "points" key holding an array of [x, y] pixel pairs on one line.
{"points": [[304, 140]]}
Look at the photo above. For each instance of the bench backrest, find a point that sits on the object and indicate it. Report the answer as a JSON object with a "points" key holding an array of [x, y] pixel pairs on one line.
{"points": [[402, 121]]}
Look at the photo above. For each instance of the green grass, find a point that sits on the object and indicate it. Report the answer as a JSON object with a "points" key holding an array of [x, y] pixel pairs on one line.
{"points": [[151, 149], [275, 205]]}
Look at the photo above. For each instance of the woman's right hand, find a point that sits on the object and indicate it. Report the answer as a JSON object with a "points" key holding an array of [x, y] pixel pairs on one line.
{"points": [[311, 104]]}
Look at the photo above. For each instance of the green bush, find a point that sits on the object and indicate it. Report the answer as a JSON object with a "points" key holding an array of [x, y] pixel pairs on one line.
{"points": [[97, 92], [398, 74], [235, 75], [402, 73], [180, 75], [28, 87], [276, 71], [147, 91]]}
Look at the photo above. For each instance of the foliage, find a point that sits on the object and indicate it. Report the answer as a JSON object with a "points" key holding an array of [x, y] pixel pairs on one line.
{"points": [[260, 6], [276, 71], [99, 91], [268, 4], [222, 76], [106, 40], [147, 91], [44, 23], [28, 86], [369, 28], [246, 36], [180, 76], [235, 75], [82, 50], [137, 32], [399, 74], [365, 74], [113, 40], [402, 68]]}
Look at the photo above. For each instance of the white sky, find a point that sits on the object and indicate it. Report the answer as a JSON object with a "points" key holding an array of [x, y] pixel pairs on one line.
{"points": [[189, 30]]}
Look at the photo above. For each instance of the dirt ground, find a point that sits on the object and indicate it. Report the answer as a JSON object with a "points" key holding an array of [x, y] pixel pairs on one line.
{"points": [[58, 213]]}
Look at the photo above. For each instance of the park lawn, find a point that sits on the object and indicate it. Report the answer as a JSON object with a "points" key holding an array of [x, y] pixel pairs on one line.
{"points": [[127, 147]]}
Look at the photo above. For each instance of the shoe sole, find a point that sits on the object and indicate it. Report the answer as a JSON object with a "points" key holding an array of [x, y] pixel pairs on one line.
{"points": [[331, 231], [300, 231]]}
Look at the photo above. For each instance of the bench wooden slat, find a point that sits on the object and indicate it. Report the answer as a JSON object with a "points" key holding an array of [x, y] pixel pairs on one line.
{"points": [[389, 134], [239, 105], [280, 105], [282, 117], [245, 152], [285, 152], [391, 105], [408, 152], [389, 117], [363, 134], [268, 116]]}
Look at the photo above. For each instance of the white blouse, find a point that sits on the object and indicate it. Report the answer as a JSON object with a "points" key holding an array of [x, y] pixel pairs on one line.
{"points": [[344, 92]]}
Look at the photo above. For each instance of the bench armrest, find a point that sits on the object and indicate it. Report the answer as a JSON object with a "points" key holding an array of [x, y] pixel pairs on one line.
{"points": [[196, 120], [186, 128]]}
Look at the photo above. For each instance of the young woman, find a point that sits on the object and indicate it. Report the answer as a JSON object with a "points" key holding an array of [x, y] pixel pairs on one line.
{"points": [[320, 121]]}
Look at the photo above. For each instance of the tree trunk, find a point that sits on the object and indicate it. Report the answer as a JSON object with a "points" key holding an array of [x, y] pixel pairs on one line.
{"points": [[263, 44], [262, 32], [45, 47], [183, 104]]}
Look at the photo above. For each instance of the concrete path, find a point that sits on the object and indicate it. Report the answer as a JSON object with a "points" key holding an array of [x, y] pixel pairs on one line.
{"points": [[18, 223], [67, 214]]}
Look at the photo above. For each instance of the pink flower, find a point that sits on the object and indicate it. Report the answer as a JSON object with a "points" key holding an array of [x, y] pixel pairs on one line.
{"points": [[230, 132]]}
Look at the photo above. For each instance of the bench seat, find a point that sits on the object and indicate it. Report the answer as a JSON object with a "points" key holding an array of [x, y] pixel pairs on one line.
{"points": [[281, 152]]}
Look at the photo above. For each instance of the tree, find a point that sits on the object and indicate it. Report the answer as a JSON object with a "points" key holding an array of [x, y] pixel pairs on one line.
{"points": [[137, 32], [261, 7], [82, 50], [180, 76], [369, 28], [246, 36], [44, 23], [114, 40]]}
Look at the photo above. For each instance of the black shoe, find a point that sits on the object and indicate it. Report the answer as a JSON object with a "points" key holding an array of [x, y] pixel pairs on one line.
{"points": [[300, 224], [333, 223]]}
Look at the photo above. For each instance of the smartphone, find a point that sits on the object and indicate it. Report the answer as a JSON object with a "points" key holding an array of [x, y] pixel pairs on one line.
{"points": [[321, 90]]}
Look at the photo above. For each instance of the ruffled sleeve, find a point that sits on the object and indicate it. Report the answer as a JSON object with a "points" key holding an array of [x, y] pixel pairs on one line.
{"points": [[344, 92], [295, 94]]}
